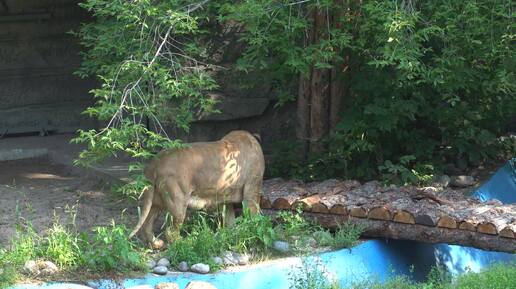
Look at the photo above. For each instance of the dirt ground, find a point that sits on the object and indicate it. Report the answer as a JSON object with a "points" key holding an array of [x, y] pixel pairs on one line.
{"points": [[39, 190]]}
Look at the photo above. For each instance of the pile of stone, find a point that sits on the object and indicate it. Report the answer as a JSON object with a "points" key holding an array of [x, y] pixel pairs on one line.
{"points": [[228, 258], [40, 268]]}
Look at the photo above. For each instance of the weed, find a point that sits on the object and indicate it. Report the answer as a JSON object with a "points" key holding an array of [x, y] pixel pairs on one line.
{"points": [[347, 235], [62, 246], [23, 246], [311, 274], [293, 224]]}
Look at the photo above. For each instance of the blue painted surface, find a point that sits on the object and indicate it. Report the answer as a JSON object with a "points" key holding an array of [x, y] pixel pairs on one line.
{"points": [[372, 259], [501, 186]]}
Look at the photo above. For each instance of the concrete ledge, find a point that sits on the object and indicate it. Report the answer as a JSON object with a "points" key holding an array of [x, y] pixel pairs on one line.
{"points": [[19, 154]]}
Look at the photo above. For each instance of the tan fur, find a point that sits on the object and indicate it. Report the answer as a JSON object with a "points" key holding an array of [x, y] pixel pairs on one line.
{"points": [[202, 175]]}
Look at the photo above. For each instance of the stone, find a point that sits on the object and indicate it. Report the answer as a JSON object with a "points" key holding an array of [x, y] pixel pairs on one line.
{"points": [[48, 268], [182, 266], [151, 264], [167, 285], [281, 246], [441, 181], [462, 181], [217, 260], [31, 267], [163, 262], [200, 268], [199, 285], [229, 258], [160, 270], [242, 259]]}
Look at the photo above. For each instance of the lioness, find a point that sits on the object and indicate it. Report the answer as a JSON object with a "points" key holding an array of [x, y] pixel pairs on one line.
{"points": [[202, 175]]}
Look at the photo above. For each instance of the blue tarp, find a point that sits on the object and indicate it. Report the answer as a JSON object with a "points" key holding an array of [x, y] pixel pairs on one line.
{"points": [[372, 259]]}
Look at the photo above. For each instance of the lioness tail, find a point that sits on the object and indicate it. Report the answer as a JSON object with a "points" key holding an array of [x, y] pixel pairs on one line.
{"points": [[148, 196]]}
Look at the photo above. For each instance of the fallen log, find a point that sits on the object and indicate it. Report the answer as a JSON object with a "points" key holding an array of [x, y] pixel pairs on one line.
{"points": [[415, 232]]}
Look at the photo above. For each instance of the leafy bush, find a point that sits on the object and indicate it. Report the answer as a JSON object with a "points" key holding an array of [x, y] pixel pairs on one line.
{"points": [[109, 249], [152, 70], [433, 80]]}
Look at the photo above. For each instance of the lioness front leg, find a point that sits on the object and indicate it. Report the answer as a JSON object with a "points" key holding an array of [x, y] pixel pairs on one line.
{"points": [[176, 203]]}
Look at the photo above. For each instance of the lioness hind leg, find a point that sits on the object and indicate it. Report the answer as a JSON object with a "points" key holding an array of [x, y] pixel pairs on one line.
{"points": [[148, 229], [176, 203], [229, 214], [251, 196]]}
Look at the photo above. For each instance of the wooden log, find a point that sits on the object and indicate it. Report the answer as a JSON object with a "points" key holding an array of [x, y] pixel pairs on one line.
{"points": [[319, 208], [265, 203], [416, 232], [339, 210], [467, 225], [447, 222], [405, 217], [379, 213], [307, 203], [281, 204], [424, 219], [487, 228], [358, 212], [509, 231]]}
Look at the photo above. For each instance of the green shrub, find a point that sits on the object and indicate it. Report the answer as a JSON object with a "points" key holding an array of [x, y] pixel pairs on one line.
{"points": [[109, 249]]}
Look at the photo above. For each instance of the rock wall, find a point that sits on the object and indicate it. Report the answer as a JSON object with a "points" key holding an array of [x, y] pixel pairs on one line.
{"points": [[38, 91]]}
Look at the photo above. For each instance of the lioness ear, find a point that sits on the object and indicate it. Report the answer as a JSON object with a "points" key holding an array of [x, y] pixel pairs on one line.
{"points": [[258, 137]]}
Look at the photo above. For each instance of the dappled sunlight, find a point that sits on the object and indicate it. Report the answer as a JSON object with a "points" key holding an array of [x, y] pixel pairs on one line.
{"points": [[44, 176], [232, 169]]}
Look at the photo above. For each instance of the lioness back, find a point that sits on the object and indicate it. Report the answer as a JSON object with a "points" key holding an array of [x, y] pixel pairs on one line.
{"points": [[205, 169]]}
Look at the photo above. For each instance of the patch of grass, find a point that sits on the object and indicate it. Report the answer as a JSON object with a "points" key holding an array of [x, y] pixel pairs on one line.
{"points": [[203, 236], [207, 238], [498, 276], [8, 274], [23, 246]]}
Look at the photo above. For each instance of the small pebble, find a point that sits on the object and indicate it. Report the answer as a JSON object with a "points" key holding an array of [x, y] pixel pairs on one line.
{"points": [[281, 246], [182, 266], [200, 268], [163, 262], [160, 270]]}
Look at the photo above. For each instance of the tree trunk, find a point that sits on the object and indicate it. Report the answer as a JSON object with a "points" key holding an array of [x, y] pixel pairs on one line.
{"points": [[320, 92]]}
